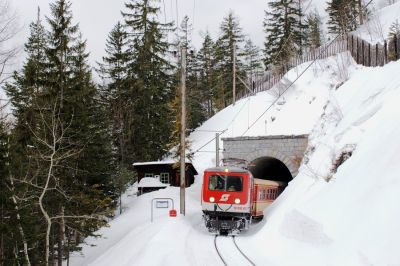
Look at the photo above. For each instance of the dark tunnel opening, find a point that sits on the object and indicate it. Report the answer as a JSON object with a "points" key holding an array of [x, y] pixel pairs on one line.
{"points": [[271, 169]]}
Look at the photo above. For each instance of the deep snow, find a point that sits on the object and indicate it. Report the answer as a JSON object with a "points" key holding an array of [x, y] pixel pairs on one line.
{"points": [[350, 220]]}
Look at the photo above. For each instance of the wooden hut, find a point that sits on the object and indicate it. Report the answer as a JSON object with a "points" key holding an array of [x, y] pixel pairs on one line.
{"points": [[165, 172]]}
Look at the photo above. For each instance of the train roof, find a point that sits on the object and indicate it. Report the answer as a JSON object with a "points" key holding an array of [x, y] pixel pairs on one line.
{"points": [[267, 182], [230, 169]]}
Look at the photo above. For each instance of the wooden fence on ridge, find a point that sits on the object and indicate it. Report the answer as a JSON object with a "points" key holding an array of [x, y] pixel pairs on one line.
{"points": [[364, 53]]}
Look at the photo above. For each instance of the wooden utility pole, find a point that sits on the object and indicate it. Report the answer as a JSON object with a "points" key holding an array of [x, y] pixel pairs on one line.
{"points": [[234, 74], [216, 149], [183, 130]]}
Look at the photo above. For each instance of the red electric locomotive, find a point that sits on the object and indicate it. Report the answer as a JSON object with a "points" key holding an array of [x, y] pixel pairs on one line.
{"points": [[232, 197]]}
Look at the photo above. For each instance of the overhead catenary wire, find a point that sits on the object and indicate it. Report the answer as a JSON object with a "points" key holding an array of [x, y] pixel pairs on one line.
{"points": [[223, 131], [165, 13], [194, 13], [177, 12], [289, 86], [301, 74]]}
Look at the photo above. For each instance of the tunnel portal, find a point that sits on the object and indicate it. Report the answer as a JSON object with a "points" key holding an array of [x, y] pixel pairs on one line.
{"points": [[271, 169]]}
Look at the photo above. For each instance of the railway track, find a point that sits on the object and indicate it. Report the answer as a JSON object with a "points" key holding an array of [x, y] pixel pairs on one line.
{"points": [[230, 248]]}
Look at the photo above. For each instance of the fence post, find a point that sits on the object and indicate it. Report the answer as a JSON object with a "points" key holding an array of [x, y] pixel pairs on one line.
{"points": [[351, 46], [362, 51], [376, 54], [385, 53], [398, 46], [395, 47], [357, 53], [369, 54]]}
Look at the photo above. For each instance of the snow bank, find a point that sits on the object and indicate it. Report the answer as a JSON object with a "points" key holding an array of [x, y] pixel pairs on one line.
{"points": [[150, 182], [350, 220]]}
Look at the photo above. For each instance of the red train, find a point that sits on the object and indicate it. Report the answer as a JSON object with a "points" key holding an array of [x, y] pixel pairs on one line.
{"points": [[232, 197]]}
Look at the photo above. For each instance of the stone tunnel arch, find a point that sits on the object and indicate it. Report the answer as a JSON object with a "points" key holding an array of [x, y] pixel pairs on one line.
{"points": [[270, 168], [287, 149], [272, 160]]}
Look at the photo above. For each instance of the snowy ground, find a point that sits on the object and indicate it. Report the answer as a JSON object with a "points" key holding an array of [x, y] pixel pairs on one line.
{"points": [[350, 220]]}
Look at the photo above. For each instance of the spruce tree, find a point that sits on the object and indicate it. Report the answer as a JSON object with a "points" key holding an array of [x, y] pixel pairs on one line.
{"points": [[116, 93], [85, 174], [394, 29], [117, 98], [228, 44], [314, 33], [252, 61], [152, 79], [207, 75], [284, 32], [23, 94], [342, 16]]}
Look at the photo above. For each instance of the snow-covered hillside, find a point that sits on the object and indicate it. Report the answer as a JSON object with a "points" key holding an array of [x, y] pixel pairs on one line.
{"points": [[350, 220]]}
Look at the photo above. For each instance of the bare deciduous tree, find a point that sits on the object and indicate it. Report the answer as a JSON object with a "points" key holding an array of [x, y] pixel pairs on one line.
{"points": [[8, 29]]}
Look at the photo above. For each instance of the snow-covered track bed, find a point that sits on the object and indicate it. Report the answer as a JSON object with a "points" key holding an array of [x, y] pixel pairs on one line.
{"points": [[227, 250]]}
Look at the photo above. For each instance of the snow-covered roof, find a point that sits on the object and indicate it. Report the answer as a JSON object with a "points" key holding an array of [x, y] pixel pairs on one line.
{"points": [[158, 162], [151, 182]]}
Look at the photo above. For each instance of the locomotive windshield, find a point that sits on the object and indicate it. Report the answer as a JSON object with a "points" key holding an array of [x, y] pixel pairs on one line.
{"points": [[225, 183]]}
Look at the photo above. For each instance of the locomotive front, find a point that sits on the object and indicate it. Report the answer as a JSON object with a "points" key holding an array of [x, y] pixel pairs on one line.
{"points": [[226, 203]]}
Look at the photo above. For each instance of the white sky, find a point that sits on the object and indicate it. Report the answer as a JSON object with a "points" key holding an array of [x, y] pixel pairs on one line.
{"points": [[97, 17]]}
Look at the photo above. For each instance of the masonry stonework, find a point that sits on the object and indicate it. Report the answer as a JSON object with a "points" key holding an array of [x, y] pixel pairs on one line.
{"points": [[288, 149]]}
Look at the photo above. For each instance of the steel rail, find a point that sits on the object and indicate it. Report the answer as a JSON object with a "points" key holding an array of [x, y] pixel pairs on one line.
{"points": [[219, 254], [241, 252]]}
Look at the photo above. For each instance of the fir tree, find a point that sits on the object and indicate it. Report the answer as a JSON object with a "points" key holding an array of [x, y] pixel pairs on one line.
{"points": [[342, 16], [313, 31], [284, 28], [252, 61], [117, 97], [228, 46], [206, 66], [53, 95], [153, 80], [394, 30]]}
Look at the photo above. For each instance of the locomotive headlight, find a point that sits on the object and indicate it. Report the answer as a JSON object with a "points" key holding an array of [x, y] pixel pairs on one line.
{"points": [[212, 199], [237, 201]]}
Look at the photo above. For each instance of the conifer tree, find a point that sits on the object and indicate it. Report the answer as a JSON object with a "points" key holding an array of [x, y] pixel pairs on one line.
{"points": [[207, 75], [117, 97], [152, 78], [394, 30], [116, 92], [85, 175], [228, 44], [23, 92], [342, 16], [55, 88], [284, 32], [313, 32], [252, 61]]}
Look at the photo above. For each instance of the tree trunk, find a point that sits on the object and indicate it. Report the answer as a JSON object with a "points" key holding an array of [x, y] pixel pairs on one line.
{"points": [[44, 212], [61, 236], [20, 229]]}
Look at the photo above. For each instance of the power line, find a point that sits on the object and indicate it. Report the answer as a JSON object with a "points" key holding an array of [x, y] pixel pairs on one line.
{"points": [[290, 85], [194, 8], [165, 13], [301, 74], [177, 12], [227, 127]]}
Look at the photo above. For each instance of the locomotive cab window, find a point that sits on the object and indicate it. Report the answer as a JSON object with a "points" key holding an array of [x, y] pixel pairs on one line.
{"points": [[225, 183]]}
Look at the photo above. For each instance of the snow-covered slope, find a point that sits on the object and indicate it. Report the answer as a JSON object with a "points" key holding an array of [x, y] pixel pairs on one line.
{"points": [[350, 220], [377, 28]]}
